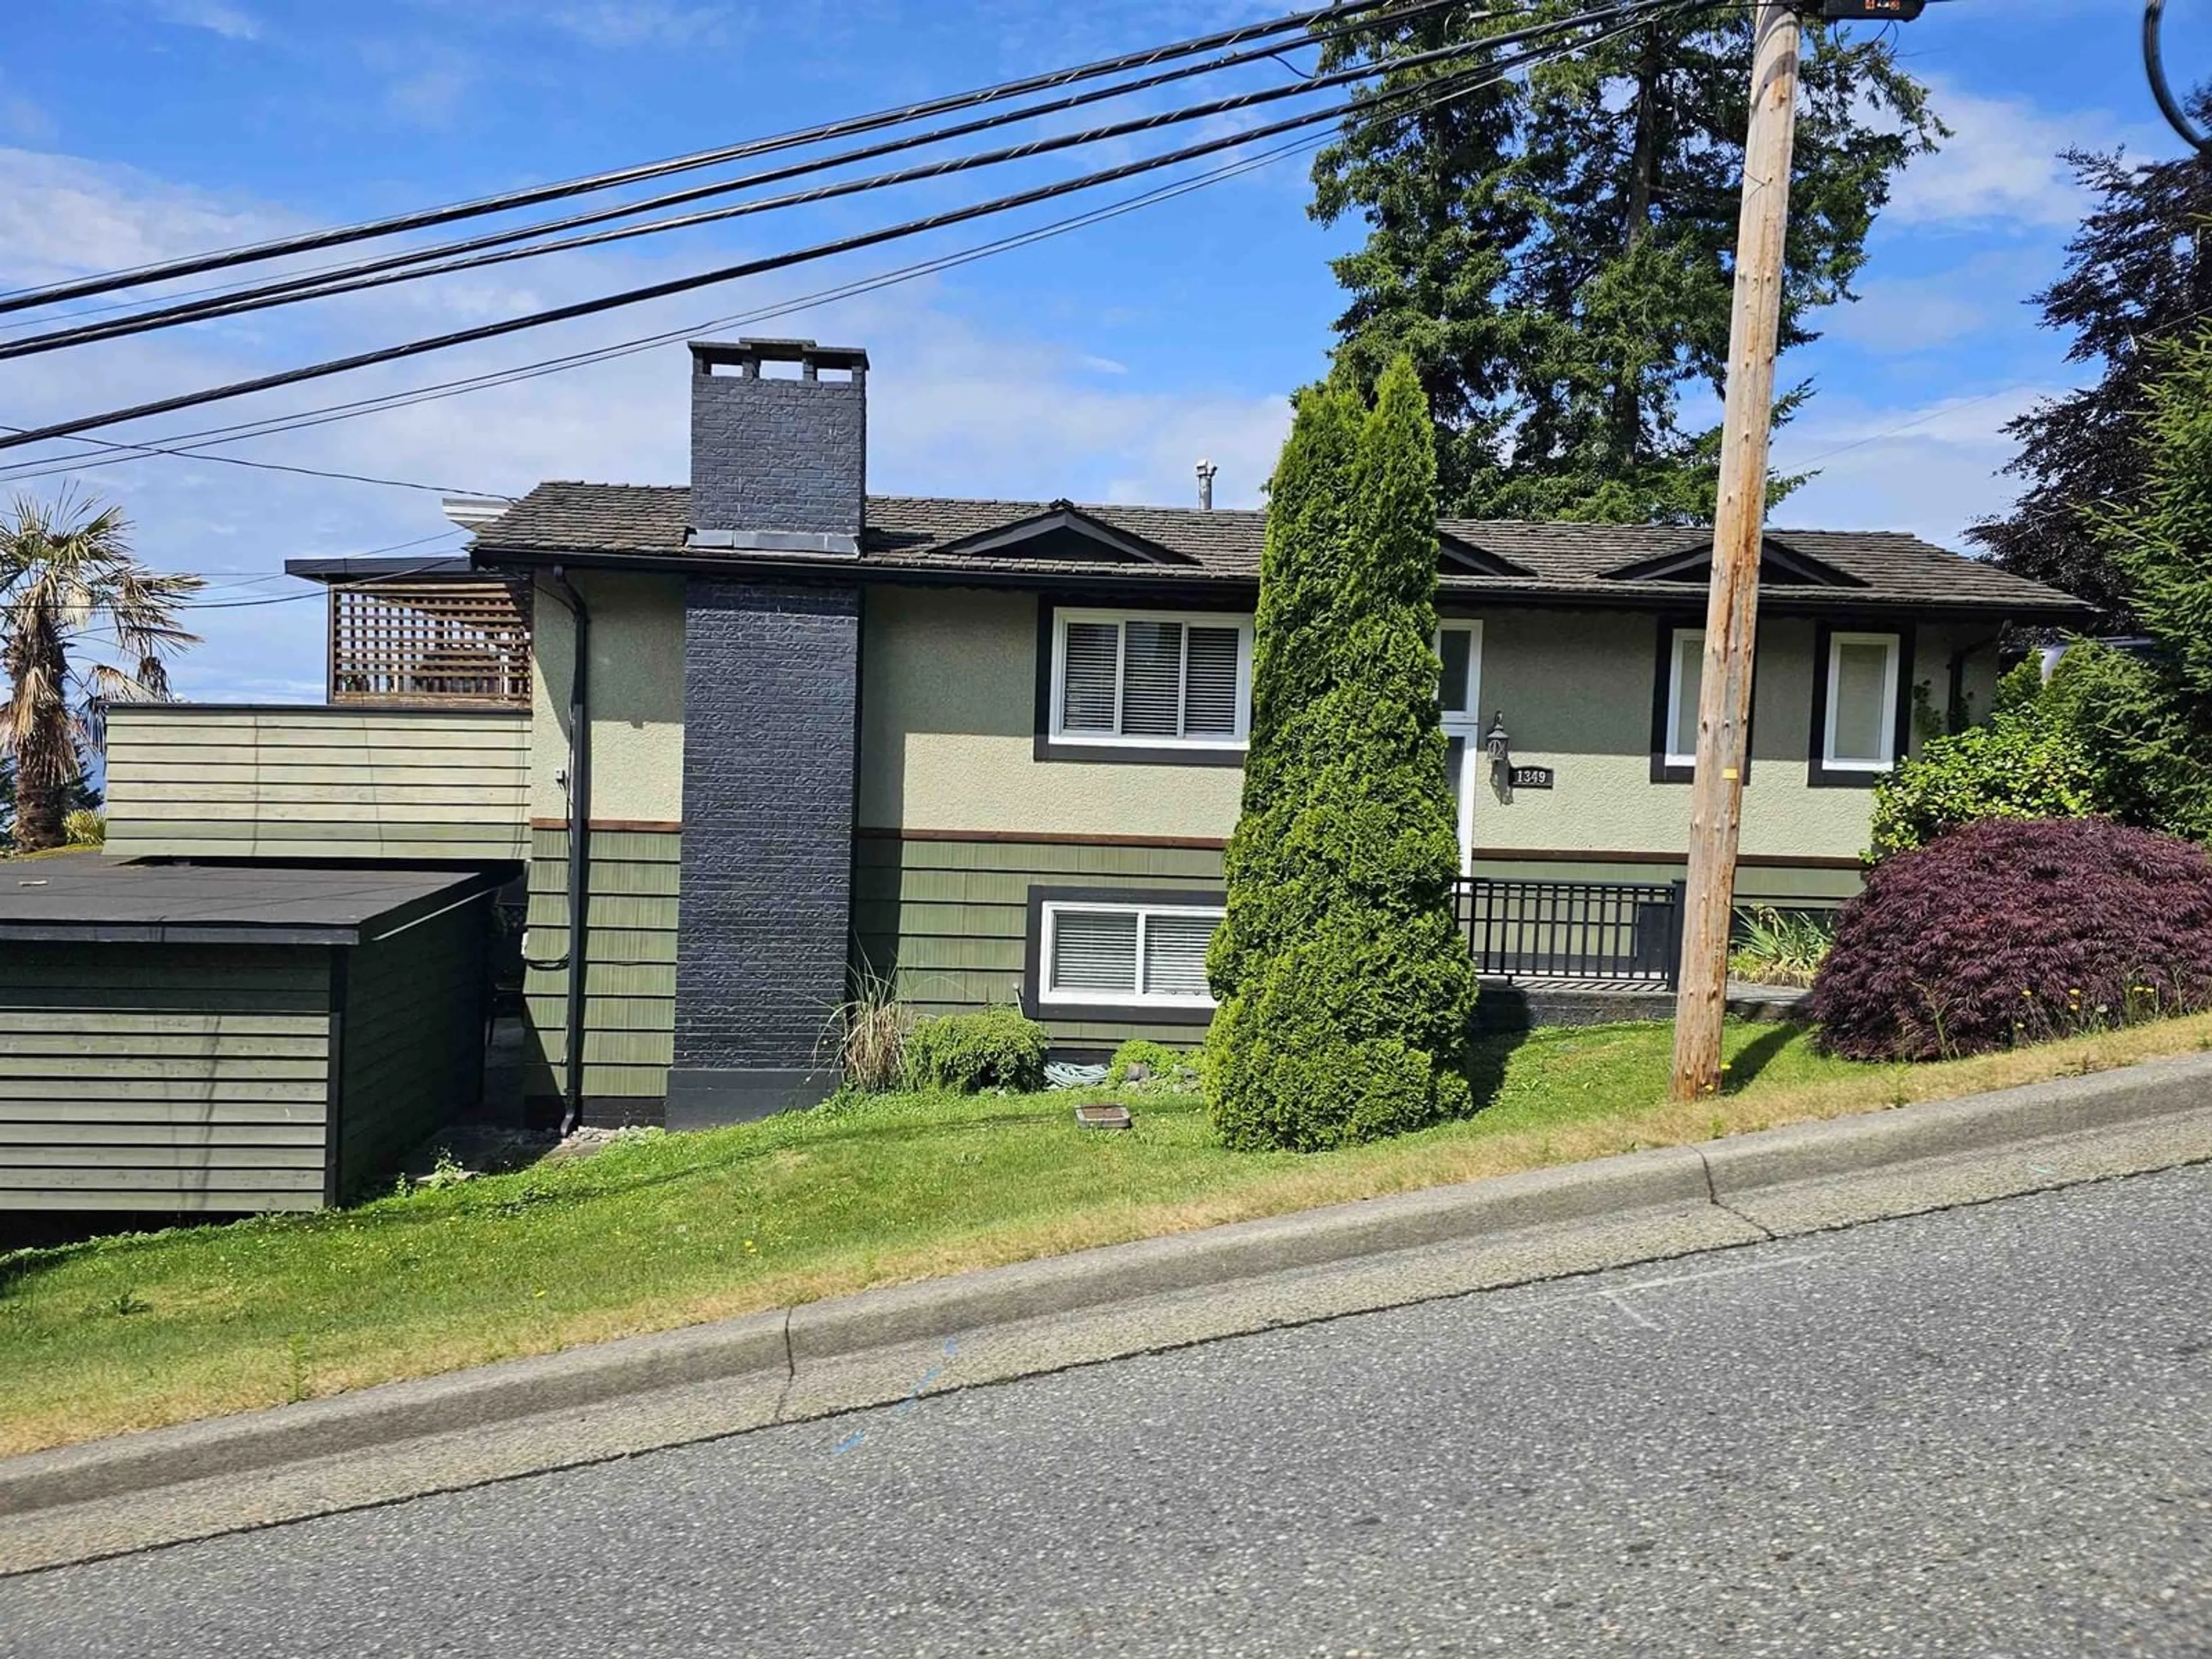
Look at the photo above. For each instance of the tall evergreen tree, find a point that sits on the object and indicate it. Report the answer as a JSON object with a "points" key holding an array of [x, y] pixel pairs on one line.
{"points": [[1312, 534], [1556, 252], [2136, 272], [1346, 988], [2147, 720]]}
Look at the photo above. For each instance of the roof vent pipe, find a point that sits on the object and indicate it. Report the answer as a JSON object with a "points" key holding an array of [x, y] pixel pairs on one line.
{"points": [[1206, 471]]}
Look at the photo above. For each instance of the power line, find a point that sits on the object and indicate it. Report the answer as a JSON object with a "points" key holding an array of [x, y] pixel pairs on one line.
{"points": [[1626, 15], [345, 278], [531, 196], [194, 446]]}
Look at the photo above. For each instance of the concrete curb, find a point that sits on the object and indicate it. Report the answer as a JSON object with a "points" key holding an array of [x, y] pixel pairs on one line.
{"points": [[788, 1349]]}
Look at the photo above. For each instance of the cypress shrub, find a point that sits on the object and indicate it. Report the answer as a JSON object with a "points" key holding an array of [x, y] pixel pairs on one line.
{"points": [[2014, 931], [1346, 988]]}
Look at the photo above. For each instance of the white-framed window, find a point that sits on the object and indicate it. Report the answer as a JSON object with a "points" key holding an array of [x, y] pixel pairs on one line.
{"points": [[1685, 678], [1151, 678], [1459, 690], [1145, 956], [1859, 733]]}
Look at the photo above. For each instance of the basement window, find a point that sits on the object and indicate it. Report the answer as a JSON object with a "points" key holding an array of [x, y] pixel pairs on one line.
{"points": [[1127, 955], [1150, 679]]}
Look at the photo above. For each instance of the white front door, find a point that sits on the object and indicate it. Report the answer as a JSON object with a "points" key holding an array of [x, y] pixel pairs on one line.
{"points": [[1459, 646]]}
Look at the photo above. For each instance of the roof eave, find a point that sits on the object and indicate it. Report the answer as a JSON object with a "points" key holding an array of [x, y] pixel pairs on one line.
{"points": [[1454, 585]]}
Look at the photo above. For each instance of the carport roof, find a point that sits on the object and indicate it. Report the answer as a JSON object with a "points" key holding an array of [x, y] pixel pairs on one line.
{"points": [[90, 899]]}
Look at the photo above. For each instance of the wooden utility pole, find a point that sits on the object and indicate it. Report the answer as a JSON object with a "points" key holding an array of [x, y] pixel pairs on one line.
{"points": [[1732, 611]]}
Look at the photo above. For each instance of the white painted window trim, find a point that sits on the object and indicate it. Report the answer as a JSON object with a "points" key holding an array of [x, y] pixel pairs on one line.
{"points": [[1674, 690], [1466, 723], [1050, 922], [1892, 644], [1206, 743]]}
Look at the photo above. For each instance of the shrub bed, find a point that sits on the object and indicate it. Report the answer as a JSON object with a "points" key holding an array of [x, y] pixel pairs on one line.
{"points": [[993, 1049], [2014, 931]]}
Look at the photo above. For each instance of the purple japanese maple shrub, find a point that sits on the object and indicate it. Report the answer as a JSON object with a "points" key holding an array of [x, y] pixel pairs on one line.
{"points": [[2011, 931]]}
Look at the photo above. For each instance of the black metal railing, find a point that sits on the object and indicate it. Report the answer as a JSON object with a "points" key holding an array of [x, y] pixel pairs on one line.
{"points": [[1604, 930]]}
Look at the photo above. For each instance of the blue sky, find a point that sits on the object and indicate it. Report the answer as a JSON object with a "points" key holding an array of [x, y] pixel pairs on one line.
{"points": [[1100, 365]]}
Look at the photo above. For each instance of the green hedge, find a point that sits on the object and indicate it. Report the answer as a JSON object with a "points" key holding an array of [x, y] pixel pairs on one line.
{"points": [[995, 1048]]}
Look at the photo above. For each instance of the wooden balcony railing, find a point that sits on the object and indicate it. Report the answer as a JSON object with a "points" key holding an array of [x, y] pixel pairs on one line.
{"points": [[442, 642]]}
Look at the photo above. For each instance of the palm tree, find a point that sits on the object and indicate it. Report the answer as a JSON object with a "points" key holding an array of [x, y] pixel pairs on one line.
{"points": [[69, 583]]}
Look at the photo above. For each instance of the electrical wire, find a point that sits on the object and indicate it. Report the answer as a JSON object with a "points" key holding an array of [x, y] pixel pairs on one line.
{"points": [[1621, 17], [194, 446], [308, 242], [346, 276]]}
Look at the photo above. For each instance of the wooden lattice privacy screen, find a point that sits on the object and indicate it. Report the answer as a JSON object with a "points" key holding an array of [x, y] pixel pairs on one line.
{"points": [[431, 641]]}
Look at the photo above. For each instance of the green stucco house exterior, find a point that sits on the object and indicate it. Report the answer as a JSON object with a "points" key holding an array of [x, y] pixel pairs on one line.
{"points": [[780, 732]]}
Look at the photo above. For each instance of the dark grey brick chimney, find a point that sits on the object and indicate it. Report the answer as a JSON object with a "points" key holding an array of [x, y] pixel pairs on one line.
{"points": [[771, 696], [778, 462]]}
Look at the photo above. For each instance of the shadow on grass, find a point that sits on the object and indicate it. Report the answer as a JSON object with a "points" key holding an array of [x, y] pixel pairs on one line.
{"points": [[1487, 1056], [1752, 1059]]}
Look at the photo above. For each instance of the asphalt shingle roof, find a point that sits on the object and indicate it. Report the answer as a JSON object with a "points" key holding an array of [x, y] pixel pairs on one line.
{"points": [[917, 534]]}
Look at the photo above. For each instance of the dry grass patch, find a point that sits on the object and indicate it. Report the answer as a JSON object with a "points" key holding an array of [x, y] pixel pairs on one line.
{"points": [[151, 1328]]}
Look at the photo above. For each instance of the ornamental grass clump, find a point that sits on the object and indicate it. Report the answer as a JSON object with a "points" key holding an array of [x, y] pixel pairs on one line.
{"points": [[2011, 932]]}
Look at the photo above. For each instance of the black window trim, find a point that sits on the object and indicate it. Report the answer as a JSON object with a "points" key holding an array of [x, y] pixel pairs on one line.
{"points": [[1046, 748], [1033, 1002], [1818, 774], [1662, 685]]}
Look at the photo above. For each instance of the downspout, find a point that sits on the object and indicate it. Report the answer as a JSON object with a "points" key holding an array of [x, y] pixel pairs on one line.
{"points": [[580, 838], [1954, 710]]}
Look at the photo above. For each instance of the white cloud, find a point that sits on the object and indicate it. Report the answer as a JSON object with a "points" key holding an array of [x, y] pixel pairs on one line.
{"points": [[957, 407], [1932, 470], [231, 22], [2001, 165], [60, 215], [1902, 314]]}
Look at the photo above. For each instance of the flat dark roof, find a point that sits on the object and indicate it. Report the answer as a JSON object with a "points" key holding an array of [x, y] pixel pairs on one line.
{"points": [[443, 567], [92, 899]]}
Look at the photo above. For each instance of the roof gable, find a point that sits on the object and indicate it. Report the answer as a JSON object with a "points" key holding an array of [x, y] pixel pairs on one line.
{"points": [[1457, 554], [1064, 531], [1779, 562]]}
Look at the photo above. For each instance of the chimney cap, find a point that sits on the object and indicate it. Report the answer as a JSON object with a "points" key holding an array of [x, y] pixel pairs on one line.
{"points": [[748, 351]]}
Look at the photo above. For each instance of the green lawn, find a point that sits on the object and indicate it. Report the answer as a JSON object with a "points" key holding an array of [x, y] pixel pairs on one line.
{"points": [[135, 1331]]}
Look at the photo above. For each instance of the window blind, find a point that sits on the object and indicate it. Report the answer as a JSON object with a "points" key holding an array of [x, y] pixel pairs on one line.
{"points": [[1151, 676], [1210, 700], [1095, 951], [1175, 955], [1090, 677], [1861, 694], [1151, 679]]}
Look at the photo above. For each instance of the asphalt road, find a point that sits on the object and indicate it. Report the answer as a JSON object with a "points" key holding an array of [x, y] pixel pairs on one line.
{"points": [[1985, 1432]]}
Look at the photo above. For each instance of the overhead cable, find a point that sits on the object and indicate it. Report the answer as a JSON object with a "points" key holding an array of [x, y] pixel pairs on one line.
{"points": [[346, 276], [1624, 16], [531, 196]]}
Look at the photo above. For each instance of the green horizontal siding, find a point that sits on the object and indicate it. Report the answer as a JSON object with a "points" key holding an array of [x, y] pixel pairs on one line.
{"points": [[186, 781], [629, 966], [412, 1056], [186, 1078], [947, 922]]}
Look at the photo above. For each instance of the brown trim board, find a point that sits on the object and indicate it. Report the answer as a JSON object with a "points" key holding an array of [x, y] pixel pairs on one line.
{"points": [[1203, 843], [616, 826], [1196, 843]]}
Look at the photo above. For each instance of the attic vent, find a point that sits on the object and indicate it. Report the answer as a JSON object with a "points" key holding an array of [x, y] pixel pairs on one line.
{"points": [[1779, 563]]}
